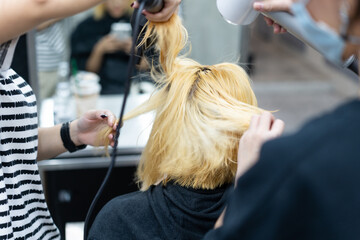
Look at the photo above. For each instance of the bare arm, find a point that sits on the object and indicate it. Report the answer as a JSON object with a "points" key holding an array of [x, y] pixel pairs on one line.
{"points": [[21, 16], [50, 144], [84, 130]]}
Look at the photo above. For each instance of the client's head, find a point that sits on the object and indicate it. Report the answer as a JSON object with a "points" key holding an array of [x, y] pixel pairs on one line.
{"points": [[201, 113]]}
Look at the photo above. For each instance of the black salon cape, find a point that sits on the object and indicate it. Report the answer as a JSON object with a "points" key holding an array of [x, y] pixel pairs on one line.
{"points": [[305, 186], [113, 73], [162, 212]]}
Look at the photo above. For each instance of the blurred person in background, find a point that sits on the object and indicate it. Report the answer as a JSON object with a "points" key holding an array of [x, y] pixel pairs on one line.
{"points": [[51, 49], [96, 49]]}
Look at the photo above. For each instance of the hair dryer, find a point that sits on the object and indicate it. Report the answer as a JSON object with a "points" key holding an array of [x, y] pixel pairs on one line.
{"points": [[237, 11], [242, 12]]}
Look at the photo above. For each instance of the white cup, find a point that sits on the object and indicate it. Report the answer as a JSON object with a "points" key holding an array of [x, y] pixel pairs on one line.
{"points": [[237, 11], [86, 90], [121, 30]]}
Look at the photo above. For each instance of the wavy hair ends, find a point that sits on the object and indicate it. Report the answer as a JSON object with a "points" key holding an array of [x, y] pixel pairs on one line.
{"points": [[201, 113]]}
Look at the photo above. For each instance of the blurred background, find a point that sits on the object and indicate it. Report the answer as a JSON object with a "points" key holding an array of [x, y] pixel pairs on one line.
{"points": [[287, 77]]}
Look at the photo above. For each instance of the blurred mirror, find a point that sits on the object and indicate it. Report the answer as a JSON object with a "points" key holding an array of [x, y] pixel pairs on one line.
{"points": [[81, 58]]}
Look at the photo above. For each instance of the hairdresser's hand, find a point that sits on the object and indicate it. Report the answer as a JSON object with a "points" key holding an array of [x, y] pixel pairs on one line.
{"points": [[126, 45], [110, 44], [170, 7], [273, 6], [85, 130], [262, 128]]}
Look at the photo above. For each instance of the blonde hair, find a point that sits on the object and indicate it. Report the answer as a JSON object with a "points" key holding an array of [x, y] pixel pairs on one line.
{"points": [[201, 113], [100, 11]]}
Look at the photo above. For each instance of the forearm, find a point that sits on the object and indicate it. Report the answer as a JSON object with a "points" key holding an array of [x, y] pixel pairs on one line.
{"points": [[22, 15], [93, 64], [50, 144]]}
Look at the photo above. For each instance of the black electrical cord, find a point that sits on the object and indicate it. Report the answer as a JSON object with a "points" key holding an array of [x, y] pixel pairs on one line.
{"points": [[130, 71]]}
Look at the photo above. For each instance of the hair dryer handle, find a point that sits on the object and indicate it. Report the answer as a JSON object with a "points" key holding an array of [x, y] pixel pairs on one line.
{"points": [[288, 21]]}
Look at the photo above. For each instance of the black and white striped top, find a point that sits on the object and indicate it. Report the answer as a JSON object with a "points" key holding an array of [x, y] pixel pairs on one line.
{"points": [[50, 47], [23, 210]]}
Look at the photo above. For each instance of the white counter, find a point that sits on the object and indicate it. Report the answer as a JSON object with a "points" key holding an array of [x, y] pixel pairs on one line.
{"points": [[133, 137]]}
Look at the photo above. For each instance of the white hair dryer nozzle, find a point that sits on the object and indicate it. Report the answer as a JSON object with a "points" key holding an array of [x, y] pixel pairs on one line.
{"points": [[237, 11]]}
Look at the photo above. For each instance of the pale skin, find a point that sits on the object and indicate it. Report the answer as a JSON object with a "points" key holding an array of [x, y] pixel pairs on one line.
{"points": [[106, 45], [20, 16], [262, 128], [24, 15]]}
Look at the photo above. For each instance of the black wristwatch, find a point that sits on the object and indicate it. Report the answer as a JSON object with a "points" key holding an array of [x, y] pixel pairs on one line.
{"points": [[65, 137]]}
